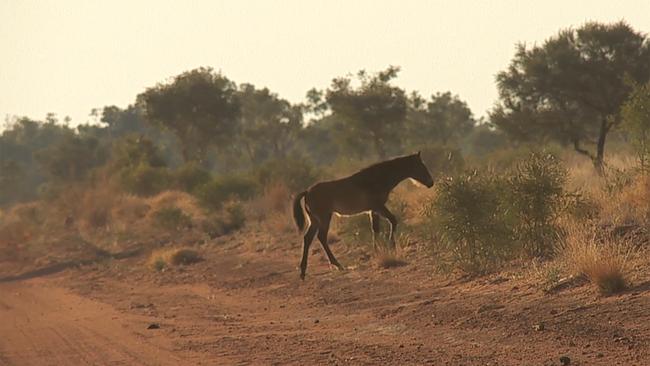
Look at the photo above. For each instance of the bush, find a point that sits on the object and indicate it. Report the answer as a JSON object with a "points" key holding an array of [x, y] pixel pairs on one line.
{"points": [[469, 213], [617, 179], [191, 176], [230, 219], [503, 160], [145, 180], [443, 160], [485, 217], [215, 193], [536, 195], [601, 257], [172, 218], [296, 174], [162, 259], [636, 121]]}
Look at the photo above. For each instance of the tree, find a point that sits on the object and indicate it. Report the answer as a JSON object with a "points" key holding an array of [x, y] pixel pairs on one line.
{"points": [[199, 106], [636, 121], [122, 122], [444, 119], [372, 113], [269, 125], [71, 159], [571, 88], [12, 182], [20, 175]]}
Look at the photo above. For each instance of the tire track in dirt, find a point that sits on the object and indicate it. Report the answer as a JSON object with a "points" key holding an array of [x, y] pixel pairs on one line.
{"points": [[45, 325]]}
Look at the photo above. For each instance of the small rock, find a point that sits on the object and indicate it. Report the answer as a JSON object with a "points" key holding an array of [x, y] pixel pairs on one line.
{"points": [[553, 312], [539, 327], [154, 326], [600, 355], [565, 360], [316, 321]]}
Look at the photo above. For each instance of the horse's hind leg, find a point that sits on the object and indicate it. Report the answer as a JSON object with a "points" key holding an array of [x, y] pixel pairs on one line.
{"points": [[309, 237], [393, 223], [322, 236], [374, 223]]}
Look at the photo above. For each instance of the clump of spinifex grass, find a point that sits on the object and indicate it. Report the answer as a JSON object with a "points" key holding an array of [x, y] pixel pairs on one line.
{"points": [[161, 259], [601, 257], [389, 257]]}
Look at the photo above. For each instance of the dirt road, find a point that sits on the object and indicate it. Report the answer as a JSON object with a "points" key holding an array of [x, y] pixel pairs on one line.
{"points": [[45, 325], [244, 305]]}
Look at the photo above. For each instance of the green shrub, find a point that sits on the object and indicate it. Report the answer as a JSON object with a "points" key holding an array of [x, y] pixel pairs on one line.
{"points": [[483, 217], [469, 214], [172, 218], [580, 207], [235, 217], [616, 180], [145, 180], [502, 160], [215, 193], [443, 160], [296, 174], [536, 196], [636, 122], [50, 191], [191, 176], [230, 219]]}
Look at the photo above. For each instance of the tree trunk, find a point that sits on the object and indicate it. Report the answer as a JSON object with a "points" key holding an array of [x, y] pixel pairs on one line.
{"points": [[600, 147]]}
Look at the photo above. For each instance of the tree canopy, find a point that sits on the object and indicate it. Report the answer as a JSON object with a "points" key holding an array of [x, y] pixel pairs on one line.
{"points": [[199, 106], [571, 88], [371, 113], [443, 119]]}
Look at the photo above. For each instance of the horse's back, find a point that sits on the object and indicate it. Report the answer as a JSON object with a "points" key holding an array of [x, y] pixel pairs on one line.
{"points": [[344, 196]]}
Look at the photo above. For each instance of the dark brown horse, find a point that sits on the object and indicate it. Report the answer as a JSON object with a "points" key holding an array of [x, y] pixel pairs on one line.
{"points": [[364, 191]]}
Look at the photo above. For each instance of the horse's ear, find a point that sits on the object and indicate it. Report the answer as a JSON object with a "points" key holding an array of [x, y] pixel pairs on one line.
{"points": [[419, 153]]}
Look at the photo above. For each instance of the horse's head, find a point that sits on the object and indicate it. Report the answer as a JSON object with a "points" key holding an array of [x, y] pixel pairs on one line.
{"points": [[419, 171]]}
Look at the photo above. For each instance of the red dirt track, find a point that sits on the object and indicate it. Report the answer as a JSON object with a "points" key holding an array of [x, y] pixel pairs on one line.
{"points": [[245, 305]]}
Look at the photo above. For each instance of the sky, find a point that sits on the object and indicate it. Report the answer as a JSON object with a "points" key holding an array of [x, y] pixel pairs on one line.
{"points": [[70, 56]]}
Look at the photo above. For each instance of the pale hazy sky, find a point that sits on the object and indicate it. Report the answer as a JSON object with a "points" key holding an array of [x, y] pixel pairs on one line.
{"points": [[70, 56]]}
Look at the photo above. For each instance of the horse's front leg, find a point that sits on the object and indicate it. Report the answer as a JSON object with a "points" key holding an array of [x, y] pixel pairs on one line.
{"points": [[374, 224]]}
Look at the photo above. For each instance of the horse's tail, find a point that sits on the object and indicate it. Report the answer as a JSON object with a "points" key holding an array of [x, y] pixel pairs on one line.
{"points": [[298, 214]]}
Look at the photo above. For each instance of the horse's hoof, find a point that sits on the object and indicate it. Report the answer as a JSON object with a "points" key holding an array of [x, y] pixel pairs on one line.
{"points": [[341, 268], [302, 276]]}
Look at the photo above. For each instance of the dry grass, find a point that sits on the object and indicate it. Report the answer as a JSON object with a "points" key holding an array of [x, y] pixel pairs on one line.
{"points": [[128, 210], [273, 209], [416, 198], [21, 223], [94, 209], [182, 200], [388, 259], [164, 258], [599, 256]]}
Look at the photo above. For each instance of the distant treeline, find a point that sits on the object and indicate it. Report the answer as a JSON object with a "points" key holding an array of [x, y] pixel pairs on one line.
{"points": [[179, 133]]}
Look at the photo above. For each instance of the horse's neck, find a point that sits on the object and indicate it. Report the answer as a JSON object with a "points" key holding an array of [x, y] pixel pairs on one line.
{"points": [[394, 176]]}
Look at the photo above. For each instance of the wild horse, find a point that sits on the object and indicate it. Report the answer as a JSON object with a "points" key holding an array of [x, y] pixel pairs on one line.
{"points": [[364, 191]]}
